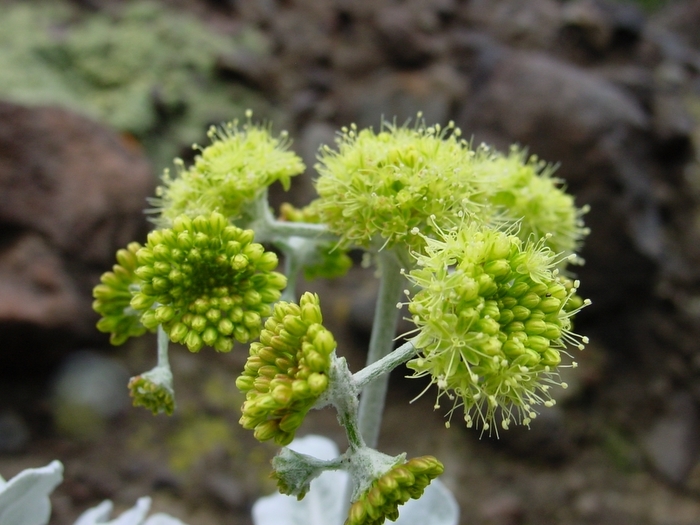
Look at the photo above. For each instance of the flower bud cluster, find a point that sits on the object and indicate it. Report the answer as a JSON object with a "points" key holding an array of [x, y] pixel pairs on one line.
{"points": [[113, 297], [238, 165], [394, 488], [384, 185], [147, 391], [206, 282], [287, 370], [492, 322]]}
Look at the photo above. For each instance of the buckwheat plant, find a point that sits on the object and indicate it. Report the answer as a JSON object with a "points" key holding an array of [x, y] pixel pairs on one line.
{"points": [[473, 244]]}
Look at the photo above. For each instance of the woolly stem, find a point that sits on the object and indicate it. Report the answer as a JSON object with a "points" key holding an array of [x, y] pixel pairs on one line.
{"points": [[385, 365], [163, 341], [386, 317]]}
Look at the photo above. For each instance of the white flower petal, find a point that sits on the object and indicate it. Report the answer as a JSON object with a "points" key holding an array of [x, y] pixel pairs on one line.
{"points": [[24, 500], [99, 514], [162, 519]]}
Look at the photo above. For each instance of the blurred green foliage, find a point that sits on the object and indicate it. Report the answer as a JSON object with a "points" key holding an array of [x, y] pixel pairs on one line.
{"points": [[648, 6], [200, 435], [149, 71], [651, 5]]}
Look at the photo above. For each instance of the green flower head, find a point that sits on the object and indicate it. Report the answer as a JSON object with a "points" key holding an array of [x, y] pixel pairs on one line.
{"points": [[241, 162], [287, 371], [403, 482], [206, 282], [113, 297], [523, 190], [376, 188], [492, 322], [154, 391]]}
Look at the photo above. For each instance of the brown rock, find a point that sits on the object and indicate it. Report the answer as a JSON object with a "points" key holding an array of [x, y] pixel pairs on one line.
{"points": [[433, 90], [599, 135], [402, 37], [529, 25], [71, 193], [683, 18], [597, 27], [560, 111]]}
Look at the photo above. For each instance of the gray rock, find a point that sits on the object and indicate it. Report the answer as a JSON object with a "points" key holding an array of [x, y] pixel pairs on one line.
{"points": [[14, 433], [89, 389], [400, 95], [402, 39], [536, 100], [673, 442], [71, 193], [592, 28], [525, 25], [227, 490], [505, 508]]}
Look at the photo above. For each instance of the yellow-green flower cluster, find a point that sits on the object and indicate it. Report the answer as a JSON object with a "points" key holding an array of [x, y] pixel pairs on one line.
{"points": [[235, 169], [206, 282], [152, 394], [396, 487], [113, 296], [492, 322], [378, 187], [287, 370], [524, 190]]}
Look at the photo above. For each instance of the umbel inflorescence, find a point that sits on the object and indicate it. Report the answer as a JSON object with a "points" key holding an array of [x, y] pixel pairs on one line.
{"points": [[493, 318], [480, 242]]}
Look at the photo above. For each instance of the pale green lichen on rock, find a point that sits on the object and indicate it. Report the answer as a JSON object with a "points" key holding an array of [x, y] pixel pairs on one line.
{"points": [[147, 69]]}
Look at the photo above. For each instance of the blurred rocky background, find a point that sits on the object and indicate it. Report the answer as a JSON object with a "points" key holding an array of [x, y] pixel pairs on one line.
{"points": [[97, 96]]}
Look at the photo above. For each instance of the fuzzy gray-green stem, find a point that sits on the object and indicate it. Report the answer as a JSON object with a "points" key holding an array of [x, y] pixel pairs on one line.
{"points": [[385, 365], [342, 394], [269, 229], [163, 342], [386, 317]]}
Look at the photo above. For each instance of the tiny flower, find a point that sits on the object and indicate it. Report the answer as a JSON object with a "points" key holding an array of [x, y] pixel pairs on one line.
{"points": [[287, 370], [113, 296], [206, 282], [154, 391], [492, 322], [235, 169], [525, 190], [394, 488], [377, 188]]}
